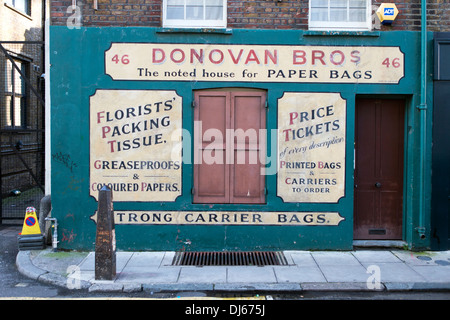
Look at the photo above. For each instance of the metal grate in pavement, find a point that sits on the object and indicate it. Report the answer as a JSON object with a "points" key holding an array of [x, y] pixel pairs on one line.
{"points": [[215, 258]]}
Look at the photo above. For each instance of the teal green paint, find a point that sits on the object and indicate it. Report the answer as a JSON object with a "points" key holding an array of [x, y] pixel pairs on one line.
{"points": [[421, 229], [77, 71]]}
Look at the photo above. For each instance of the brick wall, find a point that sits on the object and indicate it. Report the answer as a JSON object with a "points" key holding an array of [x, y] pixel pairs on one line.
{"points": [[262, 14]]}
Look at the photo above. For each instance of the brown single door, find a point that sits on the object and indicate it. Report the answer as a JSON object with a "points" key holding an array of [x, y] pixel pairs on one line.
{"points": [[379, 135], [228, 146]]}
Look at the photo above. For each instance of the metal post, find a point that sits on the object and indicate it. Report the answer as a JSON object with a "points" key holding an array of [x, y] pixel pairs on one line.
{"points": [[105, 243]]}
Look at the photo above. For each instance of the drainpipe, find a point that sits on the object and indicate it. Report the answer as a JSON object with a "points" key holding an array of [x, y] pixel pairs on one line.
{"points": [[423, 116], [55, 233]]}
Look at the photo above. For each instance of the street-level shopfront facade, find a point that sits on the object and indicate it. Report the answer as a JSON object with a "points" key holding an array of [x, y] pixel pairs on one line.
{"points": [[239, 139]]}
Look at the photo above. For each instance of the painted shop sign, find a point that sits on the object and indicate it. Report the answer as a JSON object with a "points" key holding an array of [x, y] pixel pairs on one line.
{"points": [[254, 63], [225, 218], [311, 147], [135, 144]]}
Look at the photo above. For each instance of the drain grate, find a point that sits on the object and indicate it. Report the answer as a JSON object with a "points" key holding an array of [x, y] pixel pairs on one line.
{"points": [[247, 258]]}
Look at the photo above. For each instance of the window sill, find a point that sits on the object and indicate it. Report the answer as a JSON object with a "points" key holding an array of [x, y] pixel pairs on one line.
{"points": [[225, 31], [19, 11], [317, 33]]}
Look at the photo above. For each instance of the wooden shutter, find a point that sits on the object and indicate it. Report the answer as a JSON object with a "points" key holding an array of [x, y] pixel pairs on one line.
{"points": [[211, 171], [248, 116], [229, 170]]}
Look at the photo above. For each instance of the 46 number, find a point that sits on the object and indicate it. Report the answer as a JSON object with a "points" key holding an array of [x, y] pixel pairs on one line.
{"points": [[395, 62], [124, 59]]}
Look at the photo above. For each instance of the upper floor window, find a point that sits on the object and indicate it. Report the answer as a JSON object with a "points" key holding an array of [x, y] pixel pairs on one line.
{"points": [[21, 5], [15, 94], [339, 15], [195, 13]]}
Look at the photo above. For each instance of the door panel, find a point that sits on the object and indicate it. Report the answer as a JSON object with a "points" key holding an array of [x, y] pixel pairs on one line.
{"points": [[379, 135]]}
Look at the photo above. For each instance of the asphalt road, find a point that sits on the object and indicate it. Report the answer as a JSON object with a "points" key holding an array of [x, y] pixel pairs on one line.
{"points": [[12, 283]]}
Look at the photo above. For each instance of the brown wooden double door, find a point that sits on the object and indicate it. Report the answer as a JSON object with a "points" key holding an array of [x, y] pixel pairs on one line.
{"points": [[379, 141], [229, 142]]}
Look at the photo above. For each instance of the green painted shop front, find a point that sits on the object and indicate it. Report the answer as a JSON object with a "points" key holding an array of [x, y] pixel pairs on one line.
{"points": [[104, 81]]}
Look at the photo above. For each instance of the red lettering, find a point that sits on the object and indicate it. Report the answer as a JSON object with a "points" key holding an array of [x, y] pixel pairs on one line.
{"points": [[172, 56], [99, 117], [111, 143], [292, 117], [154, 55], [235, 60], [273, 57], [211, 56], [105, 130], [334, 54], [287, 134], [318, 55], [197, 55], [252, 57], [355, 56], [299, 54]]}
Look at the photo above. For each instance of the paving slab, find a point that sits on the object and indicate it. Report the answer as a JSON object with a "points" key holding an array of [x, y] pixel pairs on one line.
{"points": [[300, 274], [376, 256], [349, 273], [397, 272], [326, 258], [168, 258], [88, 264], [251, 274], [433, 273], [146, 259], [301, 258], [203, 275], [58, 262], [424, 258], [149, 275]]}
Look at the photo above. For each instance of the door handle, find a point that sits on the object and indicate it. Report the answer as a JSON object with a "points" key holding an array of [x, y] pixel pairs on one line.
{"points": [[378, 185]]}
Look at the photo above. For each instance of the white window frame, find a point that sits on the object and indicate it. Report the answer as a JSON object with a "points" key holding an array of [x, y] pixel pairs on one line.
{"points": [[23, 6], [16, 89], [183, 23], [342, 25]]}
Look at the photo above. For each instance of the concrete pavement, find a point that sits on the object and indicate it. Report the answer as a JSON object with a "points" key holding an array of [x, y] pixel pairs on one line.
{"points": [[359, 270]]}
